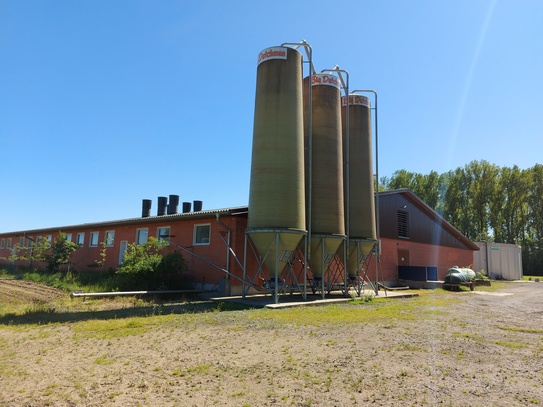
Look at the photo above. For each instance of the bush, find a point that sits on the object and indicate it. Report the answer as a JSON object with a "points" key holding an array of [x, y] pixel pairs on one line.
{"points": [[172, 273], [145, 268]]}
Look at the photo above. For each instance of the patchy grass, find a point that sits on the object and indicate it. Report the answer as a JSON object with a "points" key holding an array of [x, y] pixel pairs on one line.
{"points": [[532, 278], [513, 345], [524, 330], [119, 328], [379, 310]]}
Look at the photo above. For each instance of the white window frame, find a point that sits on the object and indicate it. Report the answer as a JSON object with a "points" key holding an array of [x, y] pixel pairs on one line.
{"points": [[138, 231], [109, 238], [91, 235], [68, 237], [22, 241], [80, 242], [122, 250], [29, 242], [2, 243], [195, 236], [163, 228], [8, 245]]}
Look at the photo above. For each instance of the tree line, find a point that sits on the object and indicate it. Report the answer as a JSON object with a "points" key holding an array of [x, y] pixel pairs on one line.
{"points": [[485, 202]]}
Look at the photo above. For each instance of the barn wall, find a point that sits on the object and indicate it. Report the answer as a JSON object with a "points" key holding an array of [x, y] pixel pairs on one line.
{"points": [[417, 254], [423, 224]]}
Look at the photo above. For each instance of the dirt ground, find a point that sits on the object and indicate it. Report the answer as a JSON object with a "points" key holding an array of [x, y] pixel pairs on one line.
{"points": [[479, 348], [21, 292]]}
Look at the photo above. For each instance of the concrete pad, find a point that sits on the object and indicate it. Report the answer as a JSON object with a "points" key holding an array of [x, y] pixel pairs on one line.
{"points": [[296, 299], [490, 293]]}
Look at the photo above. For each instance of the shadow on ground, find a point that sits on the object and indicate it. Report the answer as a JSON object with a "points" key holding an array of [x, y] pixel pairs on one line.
{"points": [[49, 313]]}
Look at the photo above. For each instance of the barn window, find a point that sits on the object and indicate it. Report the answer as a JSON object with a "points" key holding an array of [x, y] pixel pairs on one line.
{"points": [[163, 233], [201, 234], [141, 236], [93, 240], [403, 224], [109, 238]]}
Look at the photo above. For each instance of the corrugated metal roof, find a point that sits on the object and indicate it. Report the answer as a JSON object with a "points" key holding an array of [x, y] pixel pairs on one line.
{"points": [[189, 215]]}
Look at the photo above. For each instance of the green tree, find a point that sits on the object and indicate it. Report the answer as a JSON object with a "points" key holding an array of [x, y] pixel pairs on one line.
{"points": [[401, 179], [55, 254], [455, 201], [428, 187], [533, 246], [509, 207], [482, 177]]}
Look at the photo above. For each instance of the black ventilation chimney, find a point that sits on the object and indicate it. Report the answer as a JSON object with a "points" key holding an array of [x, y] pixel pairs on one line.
{"points": [[173, 204], [146, 208], [197, 206], [162, 204], [186, 207]]}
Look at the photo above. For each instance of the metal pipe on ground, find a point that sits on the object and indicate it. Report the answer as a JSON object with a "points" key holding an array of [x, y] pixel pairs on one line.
{"points": [[79, 294]]}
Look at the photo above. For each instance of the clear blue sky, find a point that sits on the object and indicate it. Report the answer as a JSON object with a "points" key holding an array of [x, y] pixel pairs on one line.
{"points": [[104, 103]]}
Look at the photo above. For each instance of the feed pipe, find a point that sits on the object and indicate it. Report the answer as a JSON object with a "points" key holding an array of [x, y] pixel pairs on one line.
{"points": [[77, 294], [377, 229]]}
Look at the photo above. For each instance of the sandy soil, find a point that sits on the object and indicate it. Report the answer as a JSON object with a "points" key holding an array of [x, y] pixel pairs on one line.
{"points": [[484, 350]]}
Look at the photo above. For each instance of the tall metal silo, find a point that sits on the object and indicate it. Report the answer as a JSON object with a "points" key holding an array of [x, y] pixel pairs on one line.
{"points": [[361, 202], [276, 219], [325, 189]]}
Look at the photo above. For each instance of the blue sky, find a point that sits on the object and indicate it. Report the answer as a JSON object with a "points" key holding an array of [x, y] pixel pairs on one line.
{"points": [[105, 103]]}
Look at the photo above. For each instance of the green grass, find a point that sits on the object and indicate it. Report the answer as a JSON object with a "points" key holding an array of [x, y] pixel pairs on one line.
{"points": [[109, 318], [532, 278], [523, 330], [103, 360], [514, 345], [378, 311], [88, 281]]}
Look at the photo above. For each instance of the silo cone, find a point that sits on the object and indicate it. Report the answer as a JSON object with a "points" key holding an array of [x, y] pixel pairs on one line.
{"points": [[357, 252], [361, 205], [276, 220], [327, 206]]}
